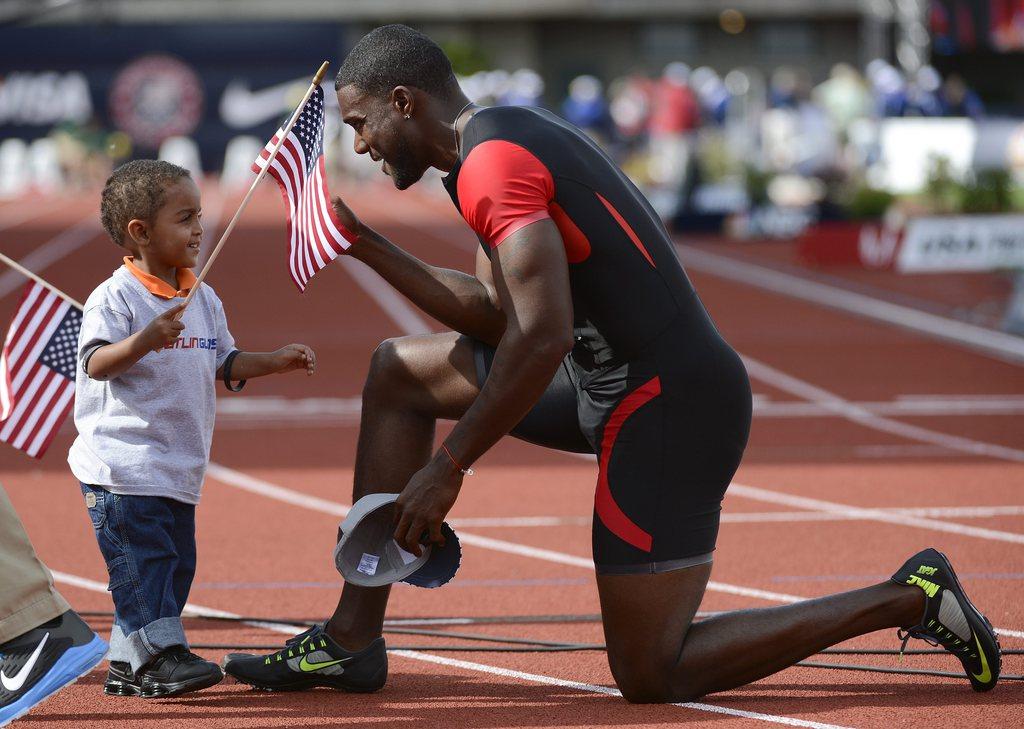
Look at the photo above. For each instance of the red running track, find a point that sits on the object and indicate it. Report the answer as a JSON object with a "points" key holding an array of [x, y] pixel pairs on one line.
{"points": [[794, 525]]}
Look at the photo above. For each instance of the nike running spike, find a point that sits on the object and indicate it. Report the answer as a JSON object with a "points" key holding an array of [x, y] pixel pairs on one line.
{"points": [[312, 659], [950, 619]]}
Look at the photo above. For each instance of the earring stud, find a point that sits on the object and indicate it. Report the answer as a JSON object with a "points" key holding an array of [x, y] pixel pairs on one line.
{"points": [[407, 116]]}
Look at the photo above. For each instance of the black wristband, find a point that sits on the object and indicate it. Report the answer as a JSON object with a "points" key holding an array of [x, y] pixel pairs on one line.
{"points": [[226, 369]]}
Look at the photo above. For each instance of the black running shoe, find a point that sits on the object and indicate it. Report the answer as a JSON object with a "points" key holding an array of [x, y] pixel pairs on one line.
{"points": [[44, 660], [313, 659], [177, 671], [950, 620], [121, 681]]}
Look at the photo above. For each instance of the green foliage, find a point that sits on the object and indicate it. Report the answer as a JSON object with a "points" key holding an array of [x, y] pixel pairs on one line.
{"points": [[868, 203], [467, 57]]}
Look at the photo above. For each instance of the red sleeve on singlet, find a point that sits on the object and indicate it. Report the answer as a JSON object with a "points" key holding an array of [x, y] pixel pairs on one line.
{"points": [[502, 187]]}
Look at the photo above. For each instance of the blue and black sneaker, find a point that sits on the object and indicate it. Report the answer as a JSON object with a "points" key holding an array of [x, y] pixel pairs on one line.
{"points": [[44, 660], [312, 659], [950, 620]]}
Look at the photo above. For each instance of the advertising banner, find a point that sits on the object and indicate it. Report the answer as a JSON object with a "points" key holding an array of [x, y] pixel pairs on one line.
{"points": [[207, 82]]}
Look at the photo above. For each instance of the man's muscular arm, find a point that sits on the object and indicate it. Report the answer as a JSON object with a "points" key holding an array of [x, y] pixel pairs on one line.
{"points": [[531, 280], [456, 299]]}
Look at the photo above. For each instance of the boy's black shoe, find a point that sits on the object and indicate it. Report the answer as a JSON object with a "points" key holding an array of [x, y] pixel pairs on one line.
{"points": [[121, 681], [44, 660], [950, 620], [177, 671], [315, 660]]}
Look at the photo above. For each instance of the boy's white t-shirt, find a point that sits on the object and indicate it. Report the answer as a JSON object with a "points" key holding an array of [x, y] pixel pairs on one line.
{"points": [[148, 431]]}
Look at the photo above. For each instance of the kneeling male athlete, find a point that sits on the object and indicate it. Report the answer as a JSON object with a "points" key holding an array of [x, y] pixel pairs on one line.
{"points": [[580, 331]]}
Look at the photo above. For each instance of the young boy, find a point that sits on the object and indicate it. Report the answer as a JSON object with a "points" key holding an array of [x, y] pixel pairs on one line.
{"points": [[144, 409]]}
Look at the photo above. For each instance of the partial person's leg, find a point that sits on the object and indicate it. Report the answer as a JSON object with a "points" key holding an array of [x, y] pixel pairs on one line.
{"points": [[656, 655], [27, 595], [44, 644], [412, 382]]}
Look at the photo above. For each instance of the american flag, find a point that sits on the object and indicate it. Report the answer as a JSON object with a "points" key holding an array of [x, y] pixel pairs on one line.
{"points": [[315, 236], [37, 386]]}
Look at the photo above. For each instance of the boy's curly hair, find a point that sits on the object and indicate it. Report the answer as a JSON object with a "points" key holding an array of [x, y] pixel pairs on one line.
{"points": [[135, 190]]}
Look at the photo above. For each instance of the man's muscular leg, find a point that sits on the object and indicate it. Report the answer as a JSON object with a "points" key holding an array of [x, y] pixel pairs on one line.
{"points": [[656, 655], [412, 382]]}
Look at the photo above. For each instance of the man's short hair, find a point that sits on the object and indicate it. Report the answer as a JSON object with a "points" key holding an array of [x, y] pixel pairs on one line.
{"points": [[397, 55], [137, 189]]}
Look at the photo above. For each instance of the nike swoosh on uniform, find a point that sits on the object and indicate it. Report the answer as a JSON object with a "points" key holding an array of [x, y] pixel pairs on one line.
{"points": [[986, 675], [243, 108], [15, 683]]}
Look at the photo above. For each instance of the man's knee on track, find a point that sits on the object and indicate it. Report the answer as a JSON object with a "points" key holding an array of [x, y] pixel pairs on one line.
{"points": [[389, 370], [643, 681]]}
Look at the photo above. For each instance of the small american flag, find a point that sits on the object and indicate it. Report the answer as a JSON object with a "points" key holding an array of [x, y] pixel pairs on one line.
{"points": [[315, 236], [37, 386]]}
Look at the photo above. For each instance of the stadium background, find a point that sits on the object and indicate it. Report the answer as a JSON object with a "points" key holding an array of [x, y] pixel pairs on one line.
{"points": [[845, 181]]}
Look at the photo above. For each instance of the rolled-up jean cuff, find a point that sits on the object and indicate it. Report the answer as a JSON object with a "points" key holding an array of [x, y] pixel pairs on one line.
{"points": [[140, 647]]}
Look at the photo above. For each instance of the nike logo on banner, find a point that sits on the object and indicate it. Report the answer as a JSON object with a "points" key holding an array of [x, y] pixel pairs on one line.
{"points": [[18, 680], [306, 665], [243, 108]]}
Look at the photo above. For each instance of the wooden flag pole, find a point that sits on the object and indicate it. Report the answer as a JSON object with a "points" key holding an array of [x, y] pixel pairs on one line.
{"points": [[245, 201], [42, 282]]}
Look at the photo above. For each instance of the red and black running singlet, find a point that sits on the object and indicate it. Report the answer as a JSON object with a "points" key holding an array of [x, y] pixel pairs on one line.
{"points": [[518, 165]]}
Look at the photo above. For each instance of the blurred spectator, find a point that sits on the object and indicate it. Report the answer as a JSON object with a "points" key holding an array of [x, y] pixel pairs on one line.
{"points": [[844, 96], [923, 98], [675, 115], [86, 158], [525, 88], [959, 100], [712, 94], [630, 106], [888, 88], [585, 106]]}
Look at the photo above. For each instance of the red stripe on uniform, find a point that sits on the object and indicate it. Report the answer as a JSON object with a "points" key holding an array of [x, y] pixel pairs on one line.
{"points": [[604, 503], [627, 228]]}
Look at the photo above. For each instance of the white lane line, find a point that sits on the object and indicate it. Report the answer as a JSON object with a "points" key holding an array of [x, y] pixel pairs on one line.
{"points": [[901, 519], [237, 479], [254, 485], [404, 314], [846, 511], [836, 404], [258, 486], [192, 608], [607, 691], [970, 512], [15, 214], [52, 250], [917, 407], [319, 410], [1005, 347]]}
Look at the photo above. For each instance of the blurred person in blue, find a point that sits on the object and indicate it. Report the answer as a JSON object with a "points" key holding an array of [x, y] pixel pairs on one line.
{"points": [[586, 107], [960, 100]]}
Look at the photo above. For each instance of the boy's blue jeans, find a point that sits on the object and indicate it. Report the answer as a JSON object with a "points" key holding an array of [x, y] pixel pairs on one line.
{"points": [[149, 546]]}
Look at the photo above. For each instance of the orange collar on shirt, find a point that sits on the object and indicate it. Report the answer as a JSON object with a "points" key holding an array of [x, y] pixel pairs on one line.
{"points": [[186, 280]]}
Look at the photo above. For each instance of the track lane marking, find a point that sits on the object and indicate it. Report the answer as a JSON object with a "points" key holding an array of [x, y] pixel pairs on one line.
{"points": [[65, 242], [192, 608], [245, 482], [1005, 347], [846, 409]]}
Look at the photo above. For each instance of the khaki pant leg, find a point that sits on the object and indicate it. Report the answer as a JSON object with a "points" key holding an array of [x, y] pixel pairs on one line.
{"points": [[27, 595]]}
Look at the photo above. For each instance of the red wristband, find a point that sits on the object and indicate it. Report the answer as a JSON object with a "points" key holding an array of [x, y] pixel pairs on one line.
{"points": [[463, 471]]}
